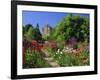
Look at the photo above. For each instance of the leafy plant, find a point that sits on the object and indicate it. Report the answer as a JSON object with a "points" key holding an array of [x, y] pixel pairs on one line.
{"points": [[34, 60], [72, 26]]}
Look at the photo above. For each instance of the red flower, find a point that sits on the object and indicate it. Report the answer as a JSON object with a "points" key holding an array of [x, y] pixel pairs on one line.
{"points": [[37, 46], [40, 46], [34, 42], [53, 44]]}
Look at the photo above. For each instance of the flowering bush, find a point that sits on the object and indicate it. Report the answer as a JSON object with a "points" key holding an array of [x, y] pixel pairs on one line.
{"points": [[70, 56], [37, 46], [40, 46], [53, 45], [34, 42]]}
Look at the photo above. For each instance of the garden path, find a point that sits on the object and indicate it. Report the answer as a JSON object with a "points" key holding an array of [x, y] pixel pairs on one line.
{"points": [[50, 59]]}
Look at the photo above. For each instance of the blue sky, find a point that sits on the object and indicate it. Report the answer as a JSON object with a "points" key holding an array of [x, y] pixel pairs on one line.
{"points": [[43, 18]]}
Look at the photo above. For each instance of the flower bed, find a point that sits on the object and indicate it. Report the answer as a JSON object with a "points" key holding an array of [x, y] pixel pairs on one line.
{"points": [[66, 56], [34, 60]]}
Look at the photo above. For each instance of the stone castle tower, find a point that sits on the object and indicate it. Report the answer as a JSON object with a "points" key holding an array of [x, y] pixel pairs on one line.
{"points": [[46, 30]]}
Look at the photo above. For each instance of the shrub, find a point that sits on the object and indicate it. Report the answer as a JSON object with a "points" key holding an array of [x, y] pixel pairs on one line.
{"points": [[35, 60]]}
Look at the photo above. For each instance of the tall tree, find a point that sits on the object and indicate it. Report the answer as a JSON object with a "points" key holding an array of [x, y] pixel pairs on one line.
{"points": [[72, 26], [27, 27], [38, 33], [29, 34]]}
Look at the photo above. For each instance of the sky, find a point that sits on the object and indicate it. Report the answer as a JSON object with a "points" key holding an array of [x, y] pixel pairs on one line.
{"points": [[43, 18]]}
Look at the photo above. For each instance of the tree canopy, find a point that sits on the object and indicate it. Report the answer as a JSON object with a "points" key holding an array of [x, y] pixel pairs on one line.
{"points": [[72, 26], [32, 33]]}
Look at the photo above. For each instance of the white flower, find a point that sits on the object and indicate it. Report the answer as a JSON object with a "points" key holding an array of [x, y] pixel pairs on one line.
{"points": [[67, 47], [71, 48], [56, 53], [63, 49], [61, 53], [59, 57], [58, 50]]}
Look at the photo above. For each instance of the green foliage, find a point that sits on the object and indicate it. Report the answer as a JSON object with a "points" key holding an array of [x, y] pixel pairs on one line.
{"points": [[37, 35], [30, 33], [47, 38], [72, 26], [85, 55], [68, 59], [26, 27], [34, 60]]}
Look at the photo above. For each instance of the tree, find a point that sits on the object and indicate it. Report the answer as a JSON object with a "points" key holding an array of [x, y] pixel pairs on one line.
{"points": [[29, 34], [32, 33], [27, 27], [72, 26], [37, 33]]}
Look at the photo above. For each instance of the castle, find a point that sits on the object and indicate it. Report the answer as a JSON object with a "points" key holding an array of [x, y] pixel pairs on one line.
{"points": [[46, 30]]}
